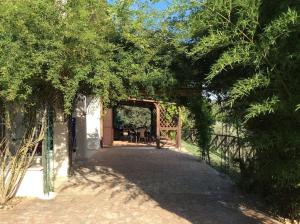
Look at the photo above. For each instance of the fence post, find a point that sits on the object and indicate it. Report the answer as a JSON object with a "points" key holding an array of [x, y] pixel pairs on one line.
{"points": [[157, 125]]}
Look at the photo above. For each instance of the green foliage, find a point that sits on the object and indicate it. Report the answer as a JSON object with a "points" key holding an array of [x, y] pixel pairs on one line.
{"points": [[170, 111], [52, 51], [249, 54], [257, 109], [244, 52], [202, 112], [187, 118], [244, 87], [48, 49], [134, 117]]}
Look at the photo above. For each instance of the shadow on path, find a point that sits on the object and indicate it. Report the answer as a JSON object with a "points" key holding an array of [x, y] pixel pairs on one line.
{"points": [[162, 185]]}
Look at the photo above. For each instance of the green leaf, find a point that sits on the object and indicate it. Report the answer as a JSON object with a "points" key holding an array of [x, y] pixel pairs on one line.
{"points": [[268, 106]]}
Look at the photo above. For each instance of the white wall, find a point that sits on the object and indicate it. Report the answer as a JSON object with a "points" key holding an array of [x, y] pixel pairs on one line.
{"points": [[88, 136], [60, 149], [93, 129], [88, 126], [32, 183], [80, 115]]}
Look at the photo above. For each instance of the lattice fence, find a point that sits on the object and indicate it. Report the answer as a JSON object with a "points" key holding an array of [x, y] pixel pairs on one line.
{"points": [[169, 127]]}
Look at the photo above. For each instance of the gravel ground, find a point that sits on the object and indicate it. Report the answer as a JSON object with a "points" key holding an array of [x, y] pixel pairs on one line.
{"points": [[141, 186]]}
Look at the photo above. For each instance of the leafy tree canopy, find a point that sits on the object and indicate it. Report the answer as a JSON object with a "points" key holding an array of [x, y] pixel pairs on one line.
{"points": [[250, 55], [245, 53], [53, 51]]}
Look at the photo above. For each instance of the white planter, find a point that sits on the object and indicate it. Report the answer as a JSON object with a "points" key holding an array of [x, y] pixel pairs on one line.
{"points": [[32, 184]]}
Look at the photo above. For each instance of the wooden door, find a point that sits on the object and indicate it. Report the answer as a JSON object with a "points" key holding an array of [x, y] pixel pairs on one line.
{"points": [[108, 129]]}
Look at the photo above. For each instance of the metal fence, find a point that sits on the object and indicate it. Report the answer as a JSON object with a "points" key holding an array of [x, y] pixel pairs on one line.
{"points": [[226, 152], [189, 135], [231, 152]]}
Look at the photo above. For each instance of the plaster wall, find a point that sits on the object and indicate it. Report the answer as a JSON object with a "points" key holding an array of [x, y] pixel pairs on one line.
{"points": [[88, 137], [60, 148], [80, 116], [88, 126], [93, 128], [32, 185]]}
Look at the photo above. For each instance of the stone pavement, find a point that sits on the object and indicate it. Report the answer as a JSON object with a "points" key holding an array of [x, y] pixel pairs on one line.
{"points": [[140, 186]]}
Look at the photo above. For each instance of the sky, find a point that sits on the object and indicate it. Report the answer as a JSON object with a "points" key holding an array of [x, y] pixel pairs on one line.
{"points": [[162, 5]]}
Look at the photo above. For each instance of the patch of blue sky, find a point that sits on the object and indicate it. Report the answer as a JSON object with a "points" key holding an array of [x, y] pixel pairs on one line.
{"points": [[162, 5], [156, 4]]}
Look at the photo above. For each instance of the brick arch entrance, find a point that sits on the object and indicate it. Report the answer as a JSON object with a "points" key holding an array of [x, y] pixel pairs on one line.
{"points": [[162, 124]]}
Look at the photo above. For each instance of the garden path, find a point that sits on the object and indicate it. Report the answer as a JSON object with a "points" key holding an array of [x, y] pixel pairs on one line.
{"points": [[141, 186]]}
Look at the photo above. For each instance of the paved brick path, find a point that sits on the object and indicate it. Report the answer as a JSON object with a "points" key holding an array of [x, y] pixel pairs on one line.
{"points": [[140, 186]]}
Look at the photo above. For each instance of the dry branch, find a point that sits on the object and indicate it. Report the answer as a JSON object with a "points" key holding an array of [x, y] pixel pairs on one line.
{"points": [[13, 166]]}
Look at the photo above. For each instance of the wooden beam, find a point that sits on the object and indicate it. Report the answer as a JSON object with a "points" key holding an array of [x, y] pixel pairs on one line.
{"points": [[157, 125], [178, 136]]}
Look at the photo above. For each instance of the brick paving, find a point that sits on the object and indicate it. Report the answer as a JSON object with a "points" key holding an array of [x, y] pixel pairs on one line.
{"points": [[140, 186]]}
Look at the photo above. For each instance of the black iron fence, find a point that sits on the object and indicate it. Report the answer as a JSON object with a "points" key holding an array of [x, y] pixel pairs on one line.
{"points": [[189, 135], [228, 153]]}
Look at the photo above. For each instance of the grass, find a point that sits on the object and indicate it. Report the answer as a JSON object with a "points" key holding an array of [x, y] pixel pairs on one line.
{"points": [[215, 160], [191, 148]]}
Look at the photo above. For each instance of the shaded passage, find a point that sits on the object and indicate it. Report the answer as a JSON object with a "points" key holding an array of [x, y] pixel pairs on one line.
{"points": [[141, 185]]}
